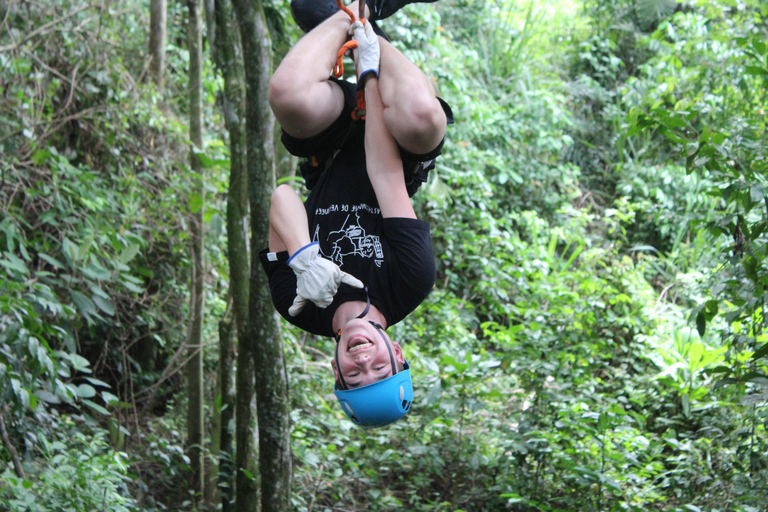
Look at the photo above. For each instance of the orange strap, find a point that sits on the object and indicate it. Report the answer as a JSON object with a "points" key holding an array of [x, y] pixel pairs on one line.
{"points": [[347, 10], [338, 69]]}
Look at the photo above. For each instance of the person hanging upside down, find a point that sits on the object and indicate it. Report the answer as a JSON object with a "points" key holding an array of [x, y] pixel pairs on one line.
{"points": [[353, 259]]}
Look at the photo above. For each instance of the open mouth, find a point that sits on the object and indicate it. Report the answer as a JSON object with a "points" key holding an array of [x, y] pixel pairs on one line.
{"points": [[357, 344]]}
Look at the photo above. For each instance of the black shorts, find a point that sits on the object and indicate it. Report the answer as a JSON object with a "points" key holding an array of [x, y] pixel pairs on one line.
{"points": [[319, 150]]}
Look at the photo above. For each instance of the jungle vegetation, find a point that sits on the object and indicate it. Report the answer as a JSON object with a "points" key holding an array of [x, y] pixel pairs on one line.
{"points": [[596, 339]]}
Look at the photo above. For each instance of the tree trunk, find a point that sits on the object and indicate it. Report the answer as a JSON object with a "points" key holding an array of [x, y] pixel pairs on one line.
{"points": [[210, 23], [9, 447], [264, 329], [157, 23], [212, 496], [224, 451], [228, 58], [247, 476], [195, 421]]}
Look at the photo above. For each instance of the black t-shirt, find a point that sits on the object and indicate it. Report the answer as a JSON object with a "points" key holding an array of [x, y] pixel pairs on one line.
{"points": [[393, 257]]}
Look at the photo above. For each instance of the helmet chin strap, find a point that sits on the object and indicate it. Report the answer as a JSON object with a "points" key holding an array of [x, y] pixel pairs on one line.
{"points": [[379, 328]]}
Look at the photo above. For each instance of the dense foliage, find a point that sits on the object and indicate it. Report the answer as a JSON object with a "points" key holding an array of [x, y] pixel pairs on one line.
{"points": [[596, 338]]}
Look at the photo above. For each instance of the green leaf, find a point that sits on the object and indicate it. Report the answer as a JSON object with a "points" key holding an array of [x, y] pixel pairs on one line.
{"points": [[83, 303], [513, 498], [13, 262], [129, 253], [195, 203], [701, 323], [750, 268], [602, 423], [552, 245], [756, 70], [71, 252], [761, 352], [79, 363], [643, 248], [611, 482], [96, 290], [52, 261], [132, 287], [725, 382], [109, 398], [97, 272], [104, 304], [686, 402], [40, 156], [96, 407], [757, 192], [86, 391], [97, 382], [47, 396], [209, 163]]}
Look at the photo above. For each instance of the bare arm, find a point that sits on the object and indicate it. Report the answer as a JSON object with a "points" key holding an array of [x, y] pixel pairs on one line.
{"points": [[288, 226], [382, 157]]}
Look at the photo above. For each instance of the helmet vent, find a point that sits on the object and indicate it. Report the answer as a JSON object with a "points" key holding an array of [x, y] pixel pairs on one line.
{"points": [[406, 405]]}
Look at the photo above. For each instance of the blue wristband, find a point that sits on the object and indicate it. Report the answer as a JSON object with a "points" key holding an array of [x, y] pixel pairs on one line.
{"points": [[361, 82], [297, 252]]}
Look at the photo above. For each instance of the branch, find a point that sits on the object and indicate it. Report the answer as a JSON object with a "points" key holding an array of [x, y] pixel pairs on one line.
{"points": [[11, 449], [42, 29]]}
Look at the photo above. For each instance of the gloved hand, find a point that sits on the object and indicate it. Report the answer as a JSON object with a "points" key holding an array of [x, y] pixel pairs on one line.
{"points": [[317, 279], [368, 51]]}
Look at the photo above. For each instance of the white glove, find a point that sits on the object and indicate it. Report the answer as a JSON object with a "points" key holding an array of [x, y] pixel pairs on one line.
{"points": [[368, 51], [317, 279]]}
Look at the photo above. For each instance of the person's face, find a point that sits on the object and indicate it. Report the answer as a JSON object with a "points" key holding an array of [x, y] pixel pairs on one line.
{"points": [[363, 355]]}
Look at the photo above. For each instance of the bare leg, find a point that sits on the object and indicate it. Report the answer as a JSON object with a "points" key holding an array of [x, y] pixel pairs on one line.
{"points": [[411, 110], [305, 102], [302, 98]]}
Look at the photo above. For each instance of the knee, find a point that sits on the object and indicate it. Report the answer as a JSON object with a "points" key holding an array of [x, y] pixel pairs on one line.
{"points": [[427, 116], [421, 124]]}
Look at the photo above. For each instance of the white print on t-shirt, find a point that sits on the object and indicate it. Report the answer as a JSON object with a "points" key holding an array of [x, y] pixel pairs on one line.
{"points": [[351, 240], [347, 208]]}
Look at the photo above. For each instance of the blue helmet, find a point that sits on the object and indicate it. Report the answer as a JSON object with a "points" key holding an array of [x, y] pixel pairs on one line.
{"points": [[380, 403]]}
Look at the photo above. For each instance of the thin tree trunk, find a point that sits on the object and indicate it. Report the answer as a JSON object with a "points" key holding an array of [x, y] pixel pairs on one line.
{"points": [[228, 57], [222, 431], [10, 448], [264, 330], [195, 420], [212, 496], [210, 23], [247, 481], [157, 30]]}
